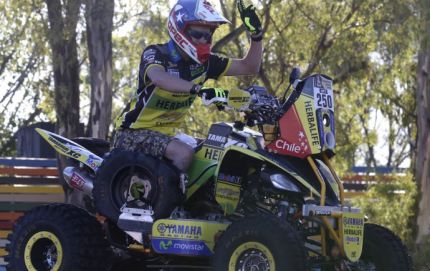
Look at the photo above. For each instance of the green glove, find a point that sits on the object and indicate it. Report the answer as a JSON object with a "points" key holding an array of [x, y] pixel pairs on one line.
{"points": [[217, 96], [249, 18]]}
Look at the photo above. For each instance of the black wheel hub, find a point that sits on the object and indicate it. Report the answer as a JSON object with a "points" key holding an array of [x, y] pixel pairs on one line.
{"points": [[252, 260], [44, 255]]}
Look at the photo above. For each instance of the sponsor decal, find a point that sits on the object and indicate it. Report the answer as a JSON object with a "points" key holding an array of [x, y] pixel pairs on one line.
{"points": [[149, 56], [161, 228], [218, 134], [169, 105], [236, 143], [188, 246], [327, 84], [239, 99], [353, 230], [217, 138], [65, 148], [184, 247], [91, 162], [213, 154], [322, 212], [312, 125], [178, 37], [292, 147], [196, 69], [177, 229], [227, 193], [173, 72], [230, 178], [353, 221], [58, 144], [77, 181], [318, 82], [166, 245]]}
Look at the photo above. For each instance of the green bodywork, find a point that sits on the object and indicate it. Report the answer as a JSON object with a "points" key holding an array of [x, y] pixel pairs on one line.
{"points": [[209, 160]]}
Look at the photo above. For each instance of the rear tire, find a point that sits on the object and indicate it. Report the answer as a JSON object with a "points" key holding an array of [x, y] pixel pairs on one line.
{"points": [[113, 180], [261, 241], [58, 237]]}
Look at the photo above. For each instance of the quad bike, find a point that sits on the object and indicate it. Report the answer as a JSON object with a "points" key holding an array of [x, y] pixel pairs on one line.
{"points": [[267, 200]]}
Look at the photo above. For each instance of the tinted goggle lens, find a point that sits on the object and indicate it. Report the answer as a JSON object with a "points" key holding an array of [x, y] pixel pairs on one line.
{"points": [[198, 35]]}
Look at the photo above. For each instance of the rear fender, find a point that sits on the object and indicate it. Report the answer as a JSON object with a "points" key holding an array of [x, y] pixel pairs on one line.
{"points": [[71, 149]]}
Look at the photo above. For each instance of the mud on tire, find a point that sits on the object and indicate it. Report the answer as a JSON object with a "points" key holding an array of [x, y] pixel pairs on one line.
{"points": [[57, 237], [261, 240]]}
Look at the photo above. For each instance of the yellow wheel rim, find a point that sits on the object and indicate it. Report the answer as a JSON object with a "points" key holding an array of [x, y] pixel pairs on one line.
{"points": [[53, 251], [251, 254]]}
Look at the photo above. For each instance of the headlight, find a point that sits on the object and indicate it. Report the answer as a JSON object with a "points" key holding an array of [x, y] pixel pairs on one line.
{"points": [[281, 181]]}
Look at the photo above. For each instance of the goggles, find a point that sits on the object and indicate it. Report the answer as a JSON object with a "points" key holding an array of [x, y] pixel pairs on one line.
{"points": [[198, 34]]}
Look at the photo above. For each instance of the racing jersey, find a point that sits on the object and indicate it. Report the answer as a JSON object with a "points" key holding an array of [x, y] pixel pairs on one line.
{"points": [[160, 110]]}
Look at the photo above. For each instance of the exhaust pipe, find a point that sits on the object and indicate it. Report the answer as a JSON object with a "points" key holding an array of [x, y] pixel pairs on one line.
{"points": [[79, 180]]}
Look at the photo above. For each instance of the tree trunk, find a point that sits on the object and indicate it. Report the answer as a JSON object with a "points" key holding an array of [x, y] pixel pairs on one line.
{"points": [[99, 20], [62, 39], [422, 166], [423, 143]]}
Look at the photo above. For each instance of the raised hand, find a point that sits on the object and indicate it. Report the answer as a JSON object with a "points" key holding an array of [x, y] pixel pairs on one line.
{"points": [[249, 18]]}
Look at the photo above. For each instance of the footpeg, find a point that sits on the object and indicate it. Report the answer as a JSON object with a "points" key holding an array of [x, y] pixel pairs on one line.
{"points": [[136, 223]]}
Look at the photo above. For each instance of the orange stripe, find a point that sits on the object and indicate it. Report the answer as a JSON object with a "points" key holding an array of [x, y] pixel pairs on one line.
{"points": [[4, 234], [10, 215], [2, 252], [29, 171]]}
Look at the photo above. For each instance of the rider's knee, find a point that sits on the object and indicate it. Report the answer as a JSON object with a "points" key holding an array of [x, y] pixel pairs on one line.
{"points": [[180, 154]]}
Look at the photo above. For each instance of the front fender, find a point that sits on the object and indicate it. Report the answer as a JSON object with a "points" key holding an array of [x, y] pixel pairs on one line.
{"points": [[233, 159]]}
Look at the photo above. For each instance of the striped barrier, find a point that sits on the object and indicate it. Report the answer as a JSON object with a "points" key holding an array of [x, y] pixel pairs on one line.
{"points": [[24, 184]]}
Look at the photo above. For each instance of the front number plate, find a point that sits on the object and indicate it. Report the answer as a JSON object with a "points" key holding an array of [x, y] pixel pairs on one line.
{"points": [[353, 233]]}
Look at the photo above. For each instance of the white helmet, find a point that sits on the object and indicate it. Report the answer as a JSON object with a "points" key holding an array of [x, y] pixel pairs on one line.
{"points": [[193, 12]]}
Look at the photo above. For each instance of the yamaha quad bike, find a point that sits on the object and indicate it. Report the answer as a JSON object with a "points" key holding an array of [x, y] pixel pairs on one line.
{"points": [[267, 200]]}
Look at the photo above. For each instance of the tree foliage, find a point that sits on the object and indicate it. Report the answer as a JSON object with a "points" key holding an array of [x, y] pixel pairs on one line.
{"points": [[367, 46], [24, 68], [391, 204]]}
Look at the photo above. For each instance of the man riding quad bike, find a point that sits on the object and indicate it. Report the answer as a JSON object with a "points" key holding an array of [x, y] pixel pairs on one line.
{"points": [[267, 200]]}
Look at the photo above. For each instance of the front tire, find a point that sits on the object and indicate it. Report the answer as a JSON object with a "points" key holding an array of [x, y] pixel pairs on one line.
{"points": [[382, 251], [260, 242], [58, 237]]}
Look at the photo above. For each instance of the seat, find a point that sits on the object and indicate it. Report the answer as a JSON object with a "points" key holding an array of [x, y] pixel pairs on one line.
{"points": [[95, 145]]}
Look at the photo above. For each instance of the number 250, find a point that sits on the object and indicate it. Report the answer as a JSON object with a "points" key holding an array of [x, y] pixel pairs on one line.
{"points": [[324, 100]]}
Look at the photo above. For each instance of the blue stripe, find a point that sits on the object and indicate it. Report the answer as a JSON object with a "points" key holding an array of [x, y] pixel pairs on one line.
{"points": [[381, 170], [27, 162]]}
